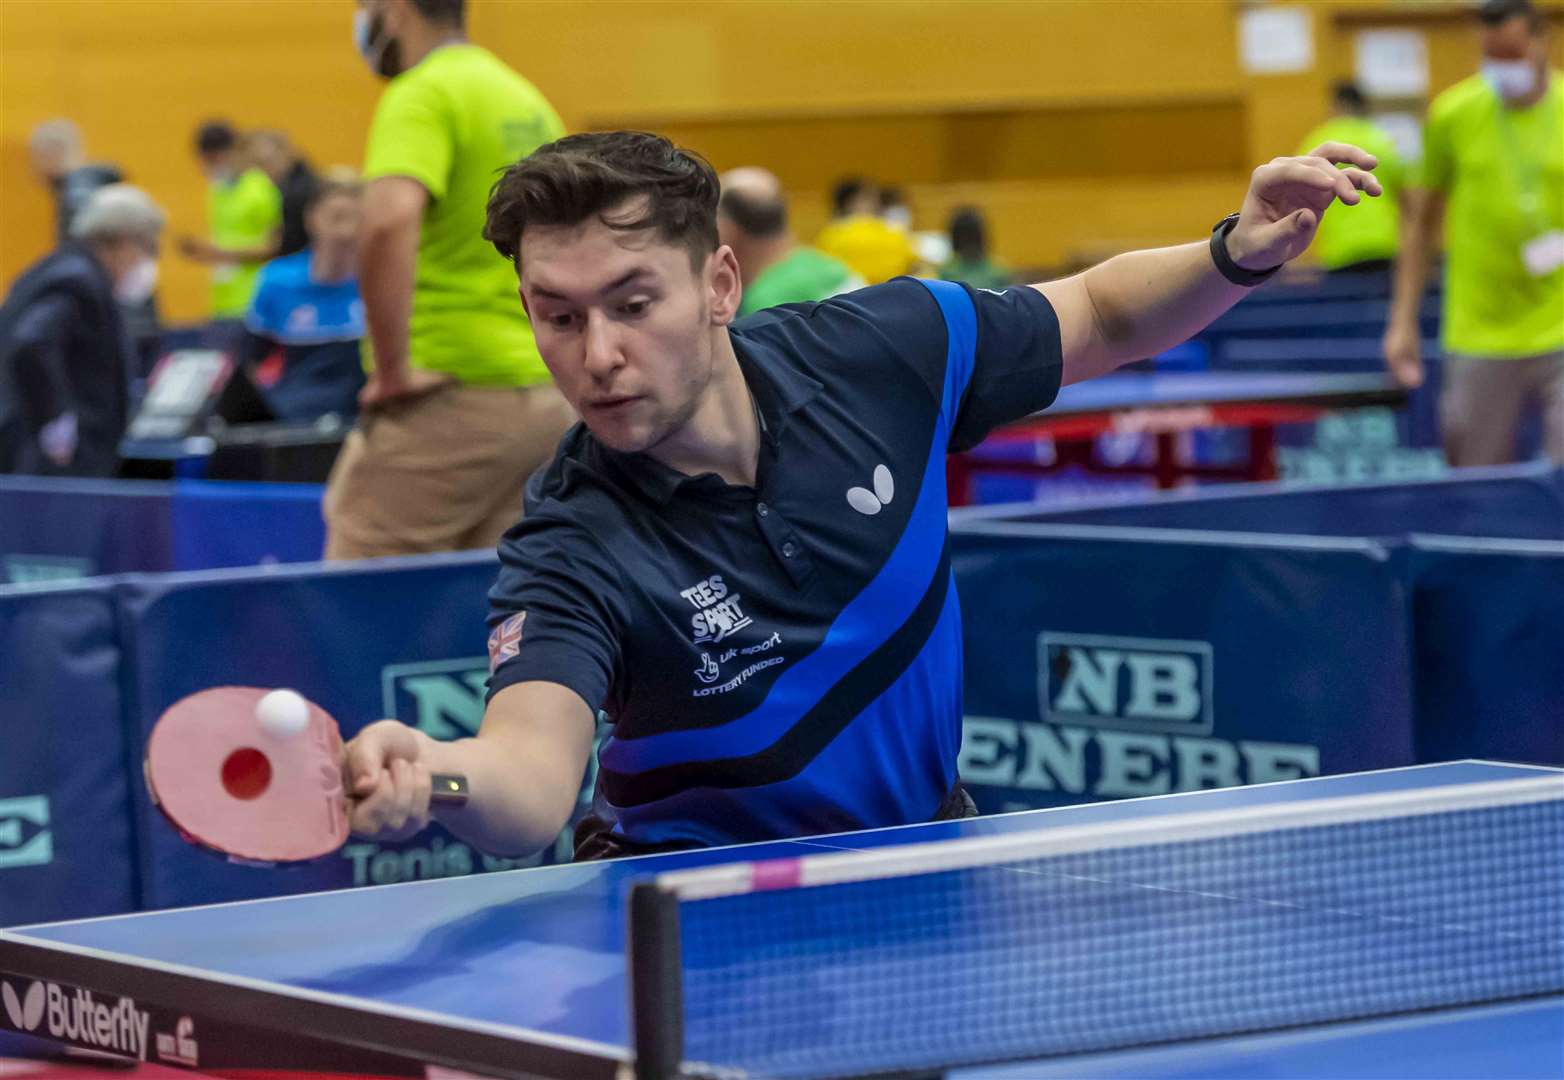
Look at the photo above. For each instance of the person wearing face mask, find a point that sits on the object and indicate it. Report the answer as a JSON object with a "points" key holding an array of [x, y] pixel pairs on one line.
{"points": [[244, 213], [65, 354], [1492, 179], [59, 160], [459, 408]]}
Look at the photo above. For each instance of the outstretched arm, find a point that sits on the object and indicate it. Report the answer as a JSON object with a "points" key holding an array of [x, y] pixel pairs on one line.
{"points": [[1136, 305], [523, 771]]}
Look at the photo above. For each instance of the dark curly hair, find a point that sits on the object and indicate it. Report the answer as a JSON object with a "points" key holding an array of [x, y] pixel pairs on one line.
{"points": [[594, 174]]}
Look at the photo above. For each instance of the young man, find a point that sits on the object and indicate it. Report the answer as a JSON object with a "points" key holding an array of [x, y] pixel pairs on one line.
{"points": [[459, 409], [740, 554], [1492, 181]]}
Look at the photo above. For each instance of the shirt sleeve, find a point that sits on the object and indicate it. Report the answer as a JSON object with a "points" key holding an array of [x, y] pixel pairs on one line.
{"points": [[557, 612], [411, 137], [262, 203], [1435, 169], [39, 354], [264, 316], [989, 356], [1018, 358]]}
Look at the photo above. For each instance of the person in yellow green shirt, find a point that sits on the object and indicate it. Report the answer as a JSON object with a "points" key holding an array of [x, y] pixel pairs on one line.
{"points": [[874, 248], [244, 216], [458, 409], [1366, 236], [773, 266], [1492, 179]]}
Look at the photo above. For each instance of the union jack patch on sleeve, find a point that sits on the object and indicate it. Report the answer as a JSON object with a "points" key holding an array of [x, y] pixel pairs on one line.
{"points": [[505, 641]]}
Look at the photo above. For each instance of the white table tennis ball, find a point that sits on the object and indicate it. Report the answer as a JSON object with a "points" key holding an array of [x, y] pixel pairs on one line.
{"points": [[283, 713]]}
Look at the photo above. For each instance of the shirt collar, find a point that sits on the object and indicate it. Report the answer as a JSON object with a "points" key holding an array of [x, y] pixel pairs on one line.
{"points": [[779, 391]]}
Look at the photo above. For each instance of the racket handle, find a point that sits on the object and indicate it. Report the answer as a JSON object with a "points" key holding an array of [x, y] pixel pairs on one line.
{"points": [[448, 788]]}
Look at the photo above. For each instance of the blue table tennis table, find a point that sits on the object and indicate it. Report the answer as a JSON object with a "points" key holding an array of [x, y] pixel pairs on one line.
{"points": [[524, 972], [1165, 405]]}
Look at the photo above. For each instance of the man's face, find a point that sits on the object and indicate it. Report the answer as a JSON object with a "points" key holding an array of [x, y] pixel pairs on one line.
{"points": [[1514, 41], [219, 166], [377, 25], [50, 160], [625, 325], [333, 221]]}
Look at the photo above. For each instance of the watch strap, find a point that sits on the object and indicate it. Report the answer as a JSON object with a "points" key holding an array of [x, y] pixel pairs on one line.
{"points": [[1224, 262]]}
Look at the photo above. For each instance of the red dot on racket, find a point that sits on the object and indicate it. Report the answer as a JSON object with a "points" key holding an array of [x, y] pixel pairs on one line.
{"points": [[246, 774]]}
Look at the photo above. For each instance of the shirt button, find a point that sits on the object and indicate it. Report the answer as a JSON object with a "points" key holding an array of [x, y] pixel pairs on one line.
{"points": [[788, 549], [762, 509]]}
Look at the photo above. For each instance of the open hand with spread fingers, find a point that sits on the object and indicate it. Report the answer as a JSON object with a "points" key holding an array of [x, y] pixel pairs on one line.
{"points": [[1288, 196]]}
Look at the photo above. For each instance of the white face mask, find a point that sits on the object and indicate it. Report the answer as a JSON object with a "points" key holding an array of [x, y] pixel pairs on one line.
{"points": [[138, 283], [361, 19], [1510, 79], [380, 52]]}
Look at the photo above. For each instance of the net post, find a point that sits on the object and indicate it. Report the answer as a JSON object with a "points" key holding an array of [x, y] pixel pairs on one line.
{"points": [[656, 982]]}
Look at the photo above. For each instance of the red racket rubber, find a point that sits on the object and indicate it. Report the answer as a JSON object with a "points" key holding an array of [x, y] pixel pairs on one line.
{"points": [[226, 784]]}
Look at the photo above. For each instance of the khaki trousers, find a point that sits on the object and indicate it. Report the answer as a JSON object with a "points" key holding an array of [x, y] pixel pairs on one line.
{"points": [[1483, 401], [441, 472]]}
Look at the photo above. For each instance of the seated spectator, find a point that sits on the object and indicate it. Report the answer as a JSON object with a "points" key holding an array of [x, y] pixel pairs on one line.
{"points": [[64, 350], [872, 247], [306, 320], [969, 261], [274, 155], [775, 267]]}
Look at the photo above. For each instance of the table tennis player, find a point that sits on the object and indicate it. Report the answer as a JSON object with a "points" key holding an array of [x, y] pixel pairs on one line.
{"points": [[740, 553]]}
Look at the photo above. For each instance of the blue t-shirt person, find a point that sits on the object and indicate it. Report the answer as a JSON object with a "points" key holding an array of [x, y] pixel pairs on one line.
{"points": [[309, 332]]}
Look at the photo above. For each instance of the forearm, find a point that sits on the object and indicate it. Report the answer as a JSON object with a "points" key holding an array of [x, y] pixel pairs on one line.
{"points": [[259, 254], [1412, 258], [510, 810], [523, 771], [1146, 301], [387, 259]]}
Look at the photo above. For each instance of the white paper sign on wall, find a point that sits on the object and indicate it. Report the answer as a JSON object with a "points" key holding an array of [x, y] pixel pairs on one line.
{"points": [[1276, 40]]}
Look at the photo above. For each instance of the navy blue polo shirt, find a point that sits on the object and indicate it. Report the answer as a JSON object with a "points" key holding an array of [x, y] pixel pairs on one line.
{"points": [[785, 659]]}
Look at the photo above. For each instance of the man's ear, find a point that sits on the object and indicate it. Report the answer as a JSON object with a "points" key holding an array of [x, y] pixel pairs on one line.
{"points": [[727, 289]]}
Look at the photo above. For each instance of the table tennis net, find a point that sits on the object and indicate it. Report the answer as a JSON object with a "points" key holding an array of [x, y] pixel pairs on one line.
{"points": [[1091, 938]]}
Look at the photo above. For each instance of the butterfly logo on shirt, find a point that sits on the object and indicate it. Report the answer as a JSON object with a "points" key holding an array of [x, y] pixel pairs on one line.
{"points": [[872, 502]]}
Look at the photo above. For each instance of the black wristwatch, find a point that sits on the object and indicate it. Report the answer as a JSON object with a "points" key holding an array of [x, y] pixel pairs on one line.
{"points": [[1224, 262]]}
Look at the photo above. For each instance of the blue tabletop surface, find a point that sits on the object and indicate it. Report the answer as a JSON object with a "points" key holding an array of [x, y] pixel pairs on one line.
{"points": [[543, 949]]}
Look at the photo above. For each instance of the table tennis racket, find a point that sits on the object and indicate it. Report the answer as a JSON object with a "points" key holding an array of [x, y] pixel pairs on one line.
{"points": [[249, 791]]}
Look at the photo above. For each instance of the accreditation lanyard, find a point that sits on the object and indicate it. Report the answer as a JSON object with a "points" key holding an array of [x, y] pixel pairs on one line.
{"points": [[1528, 162]]}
